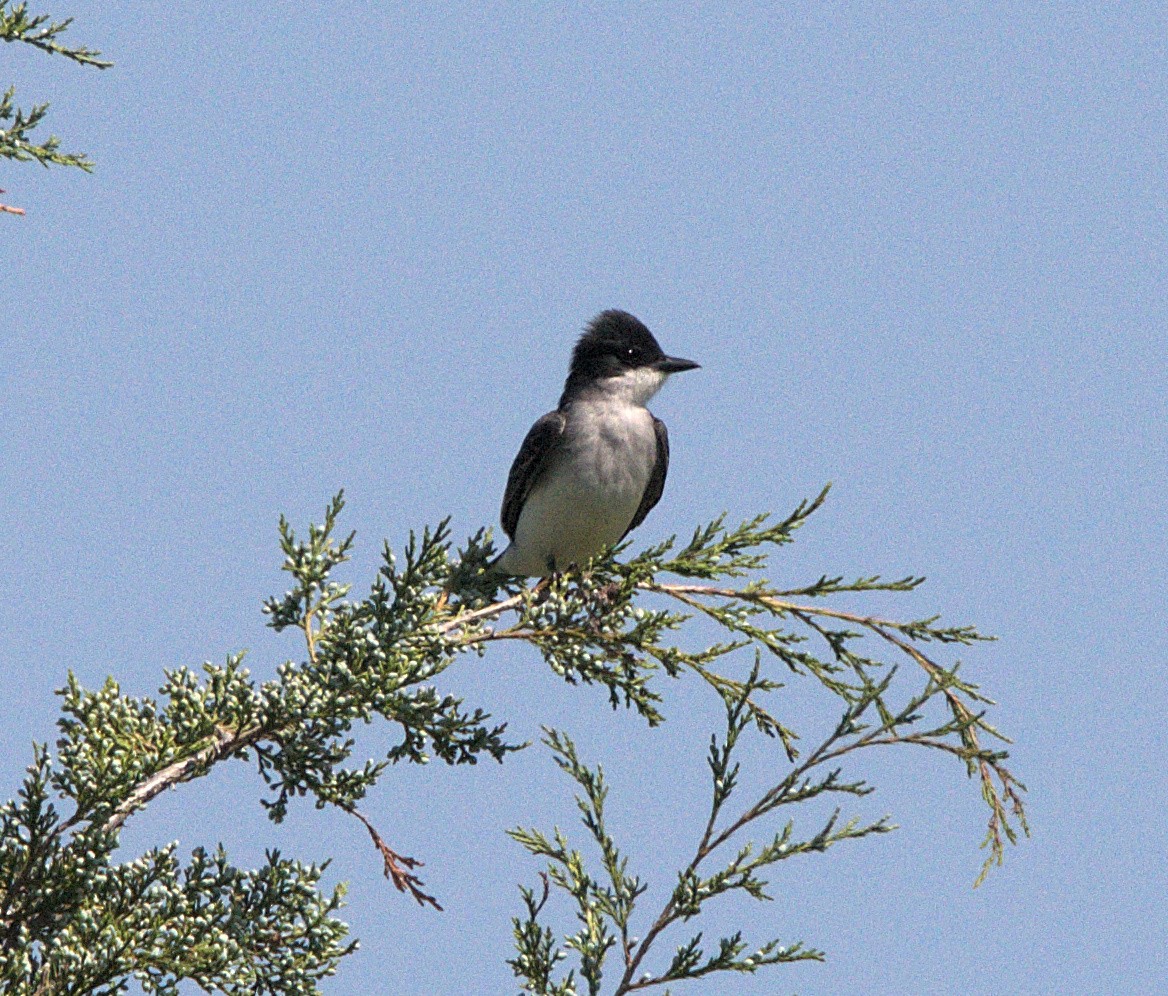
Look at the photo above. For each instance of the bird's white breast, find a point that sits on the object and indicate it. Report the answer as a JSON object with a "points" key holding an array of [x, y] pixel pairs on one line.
{"points": [[611, 453], [586, 500]]}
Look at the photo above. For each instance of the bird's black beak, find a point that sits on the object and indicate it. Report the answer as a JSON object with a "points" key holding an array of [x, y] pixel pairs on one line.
{"points": [[674, 364]]}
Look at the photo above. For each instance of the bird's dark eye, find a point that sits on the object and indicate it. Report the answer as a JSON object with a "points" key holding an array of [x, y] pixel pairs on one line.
{"points": [[632, 352]]}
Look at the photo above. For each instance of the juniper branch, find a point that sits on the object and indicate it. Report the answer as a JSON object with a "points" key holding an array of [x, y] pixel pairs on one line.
{"points": [[38, 30], [17, 125], [986, 764], [378, 657]]}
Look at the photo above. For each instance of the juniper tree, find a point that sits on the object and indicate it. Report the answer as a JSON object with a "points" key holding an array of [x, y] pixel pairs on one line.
{"points": [[76, 918], [16, 125]]}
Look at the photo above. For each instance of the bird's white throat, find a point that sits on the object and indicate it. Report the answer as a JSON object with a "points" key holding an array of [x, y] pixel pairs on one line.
{"points": [[635, 386]]}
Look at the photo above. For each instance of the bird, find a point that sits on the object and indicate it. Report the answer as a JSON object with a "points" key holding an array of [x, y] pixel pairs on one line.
{"points": [[589, 472]]}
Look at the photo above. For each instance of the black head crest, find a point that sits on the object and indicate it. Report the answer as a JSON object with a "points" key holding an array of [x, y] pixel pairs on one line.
{"points": [[613, 341]]}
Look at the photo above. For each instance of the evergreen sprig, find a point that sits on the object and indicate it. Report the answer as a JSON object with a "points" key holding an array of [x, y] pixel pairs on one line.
{"points": [[17, 125], [16, 144], [74, 919], [606, 904], [40, 31]]}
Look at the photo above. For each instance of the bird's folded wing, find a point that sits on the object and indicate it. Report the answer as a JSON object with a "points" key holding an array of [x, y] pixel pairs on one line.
{"points": [[530, 462], [656, 483]]}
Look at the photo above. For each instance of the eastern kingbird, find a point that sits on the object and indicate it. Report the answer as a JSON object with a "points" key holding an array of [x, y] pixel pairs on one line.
{"points": [[589, 472]]}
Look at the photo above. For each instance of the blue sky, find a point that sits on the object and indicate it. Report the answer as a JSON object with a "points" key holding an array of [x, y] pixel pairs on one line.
{"points": [[919, 252]]}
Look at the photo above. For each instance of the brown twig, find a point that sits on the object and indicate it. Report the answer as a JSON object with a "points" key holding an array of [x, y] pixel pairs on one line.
{"points": [[45, 976], [228, 742], [547, 888], [9, 209], [398, 867]]}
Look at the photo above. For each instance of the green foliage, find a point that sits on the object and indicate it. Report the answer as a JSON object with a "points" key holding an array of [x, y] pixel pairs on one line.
{"points": [[606, 902], [16, 125], [40, 31], [16, 144], [876, 710], [367, 659], [74, 919]]}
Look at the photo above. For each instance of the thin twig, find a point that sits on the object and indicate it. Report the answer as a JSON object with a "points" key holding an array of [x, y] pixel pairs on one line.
{"points": [[9, 209], [225, 744], [398, 867], [486, 612], [875, 624]]}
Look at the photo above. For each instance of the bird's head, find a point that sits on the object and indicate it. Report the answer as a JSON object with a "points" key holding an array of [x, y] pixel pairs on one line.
{"points": [[617, 354]]}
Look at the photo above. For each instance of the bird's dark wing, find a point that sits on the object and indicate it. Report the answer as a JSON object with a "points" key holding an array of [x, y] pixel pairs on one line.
{"points": [[656, 483], [530, 462]]}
